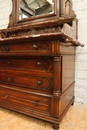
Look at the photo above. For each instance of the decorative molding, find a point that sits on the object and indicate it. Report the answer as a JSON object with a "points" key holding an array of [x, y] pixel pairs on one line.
{"points": [[65, 29], [66, 32], [57, 94], [33, 31]]}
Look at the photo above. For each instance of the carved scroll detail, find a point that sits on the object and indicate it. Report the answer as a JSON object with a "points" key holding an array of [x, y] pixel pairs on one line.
{"points": [[31, 31]]}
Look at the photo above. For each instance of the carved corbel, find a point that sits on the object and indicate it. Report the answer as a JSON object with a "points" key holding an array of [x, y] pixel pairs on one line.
{"points": [[69, 30]]}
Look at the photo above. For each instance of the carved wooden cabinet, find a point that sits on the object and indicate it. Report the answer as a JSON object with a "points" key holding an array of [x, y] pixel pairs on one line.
{"points": [[37, 64]]}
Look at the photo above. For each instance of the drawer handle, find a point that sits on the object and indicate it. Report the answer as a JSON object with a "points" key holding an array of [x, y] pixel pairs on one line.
{"points": [[6, 96], [5, 48], [35, 46], [8, 63], [39, 82], [9, 79], [36, 103], [39, 63]]}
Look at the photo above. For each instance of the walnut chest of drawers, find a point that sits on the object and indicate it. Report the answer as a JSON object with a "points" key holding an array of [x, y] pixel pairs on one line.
{"points": [[37, 77]]}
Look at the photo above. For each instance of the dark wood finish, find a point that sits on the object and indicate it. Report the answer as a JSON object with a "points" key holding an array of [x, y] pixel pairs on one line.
{"points": [[27, 100], [25, 48], [32, 63], [37, 63], [26, 80]]}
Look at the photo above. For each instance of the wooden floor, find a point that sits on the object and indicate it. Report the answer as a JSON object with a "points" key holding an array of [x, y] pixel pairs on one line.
{"points": [[75, 119]]}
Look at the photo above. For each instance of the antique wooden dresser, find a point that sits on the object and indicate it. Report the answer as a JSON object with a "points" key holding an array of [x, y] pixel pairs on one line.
{"points": [[37, 60]]}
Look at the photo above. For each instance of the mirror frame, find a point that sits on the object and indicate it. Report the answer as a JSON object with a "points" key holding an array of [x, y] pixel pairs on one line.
{"points": [[59, 13], [14, 17]]}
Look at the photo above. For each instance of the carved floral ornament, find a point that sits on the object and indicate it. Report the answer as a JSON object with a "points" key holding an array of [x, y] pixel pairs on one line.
{"points": [[28, 31]]}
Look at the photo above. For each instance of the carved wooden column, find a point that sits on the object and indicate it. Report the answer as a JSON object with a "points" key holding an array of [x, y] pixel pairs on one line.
{"points": [[56, 82], [57, 76], [66, 6], [56, 90], [62, 7]]}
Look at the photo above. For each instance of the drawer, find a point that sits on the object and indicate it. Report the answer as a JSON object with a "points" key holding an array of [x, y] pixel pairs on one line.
{"points": [[29, 81], [24, 99], [37, 63], [26, 48]]}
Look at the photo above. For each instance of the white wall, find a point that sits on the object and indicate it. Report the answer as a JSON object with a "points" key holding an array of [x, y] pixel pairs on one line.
{"points": [[80, 8], [5, 10]]}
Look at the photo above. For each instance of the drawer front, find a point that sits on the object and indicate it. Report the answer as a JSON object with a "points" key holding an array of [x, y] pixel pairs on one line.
{"points": [[13, 97], [26, 48], [37, 63], [35, 82]]}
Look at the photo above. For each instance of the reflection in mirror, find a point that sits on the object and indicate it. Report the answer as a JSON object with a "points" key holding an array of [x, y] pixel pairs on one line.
{"points": [[31, 8]]}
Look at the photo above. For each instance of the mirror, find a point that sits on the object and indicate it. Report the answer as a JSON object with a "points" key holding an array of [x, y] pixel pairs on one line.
{"points": [[32, 8]]}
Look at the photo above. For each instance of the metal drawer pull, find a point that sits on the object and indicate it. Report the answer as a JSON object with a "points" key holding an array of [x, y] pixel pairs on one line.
{"points": [[39, 63], [8, 63], [36, 103], [9, 79], [35, 46], [6, 96], [39, 82]]}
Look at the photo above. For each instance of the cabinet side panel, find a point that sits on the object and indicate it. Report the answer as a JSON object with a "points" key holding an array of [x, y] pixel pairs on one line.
{"points": [[66, 99], [67, 48], [68, 71]]}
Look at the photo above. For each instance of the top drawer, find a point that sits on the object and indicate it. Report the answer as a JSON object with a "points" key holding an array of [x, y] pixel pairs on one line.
{"points": [[26, 48]]}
